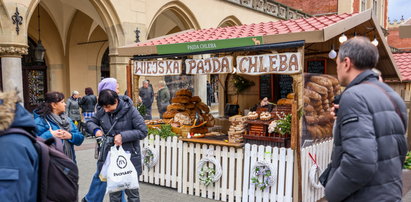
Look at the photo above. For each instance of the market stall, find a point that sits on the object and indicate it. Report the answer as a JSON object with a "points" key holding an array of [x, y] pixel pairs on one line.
{"points": [[267, 153]]}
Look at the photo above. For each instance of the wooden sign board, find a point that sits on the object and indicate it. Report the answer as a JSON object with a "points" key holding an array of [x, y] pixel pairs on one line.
{"points": [[157, 67], [221, 65], [281, 63]]}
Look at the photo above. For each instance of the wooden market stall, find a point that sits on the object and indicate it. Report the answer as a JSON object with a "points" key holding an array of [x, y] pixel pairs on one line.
{"points": [[261, 52]]}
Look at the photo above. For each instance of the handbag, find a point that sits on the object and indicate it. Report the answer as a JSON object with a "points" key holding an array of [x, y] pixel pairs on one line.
{"points": [[324, 176]]}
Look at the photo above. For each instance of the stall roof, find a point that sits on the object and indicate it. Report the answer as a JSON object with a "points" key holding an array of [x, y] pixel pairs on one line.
{"points": [[311, 30], [403, 61]]}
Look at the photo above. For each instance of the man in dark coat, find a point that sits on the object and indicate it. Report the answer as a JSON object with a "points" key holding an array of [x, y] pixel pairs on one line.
{"points": [[369, 142], [19, 161], [147, 96], [163, 98], [129, 128]]}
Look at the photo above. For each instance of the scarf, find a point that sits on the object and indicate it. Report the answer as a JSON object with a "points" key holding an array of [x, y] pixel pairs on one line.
{"points": [[63, 122]]}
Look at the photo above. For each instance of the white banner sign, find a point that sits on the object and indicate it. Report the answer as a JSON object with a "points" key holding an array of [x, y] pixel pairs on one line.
{"points": [[281, 63], [157, 67], [222, 65]]}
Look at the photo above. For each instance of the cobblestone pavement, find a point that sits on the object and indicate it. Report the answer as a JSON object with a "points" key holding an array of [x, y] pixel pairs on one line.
{"points": [[148, 192]]}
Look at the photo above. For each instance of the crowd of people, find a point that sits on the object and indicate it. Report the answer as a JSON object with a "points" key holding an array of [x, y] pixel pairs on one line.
{"points": [[369, 142]]}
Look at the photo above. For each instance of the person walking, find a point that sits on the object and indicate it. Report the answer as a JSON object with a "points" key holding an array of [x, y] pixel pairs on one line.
{"points": [[147, 96], [163, 98], [88, 103], [19, 160], [73, 108], [369, 134], [122, 125], [52, 121]]}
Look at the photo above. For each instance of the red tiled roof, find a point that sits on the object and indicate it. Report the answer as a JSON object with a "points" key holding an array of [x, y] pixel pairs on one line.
{"points": [[403, 61], [260, 29]]}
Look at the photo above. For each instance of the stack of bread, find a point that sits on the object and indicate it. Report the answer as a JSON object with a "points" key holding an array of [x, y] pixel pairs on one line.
{"points": [[237, 128], [319, 95], [187, 109]]}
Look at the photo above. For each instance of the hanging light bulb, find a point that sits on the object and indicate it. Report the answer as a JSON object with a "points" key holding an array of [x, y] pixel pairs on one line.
{"points": [[375, 41], [342, 38], [332, 54]]}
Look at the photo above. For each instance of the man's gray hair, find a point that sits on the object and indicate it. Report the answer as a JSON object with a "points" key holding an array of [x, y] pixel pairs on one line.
{"points": [[145, 81], [362, 53], [162, 83]]}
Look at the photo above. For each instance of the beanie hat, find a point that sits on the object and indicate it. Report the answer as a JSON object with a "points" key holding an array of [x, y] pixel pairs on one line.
{"points": [[107, 83]]}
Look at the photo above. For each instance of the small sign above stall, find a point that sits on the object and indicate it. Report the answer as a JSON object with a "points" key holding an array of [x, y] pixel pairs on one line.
{"points": [[281, 63], [157, 67], [197, 46], [221, 65]]}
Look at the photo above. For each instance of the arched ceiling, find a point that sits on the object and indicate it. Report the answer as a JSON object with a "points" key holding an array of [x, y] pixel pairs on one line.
{"points": [[62, 12]]}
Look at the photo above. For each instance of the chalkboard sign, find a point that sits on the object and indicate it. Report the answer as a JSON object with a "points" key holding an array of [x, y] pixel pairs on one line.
{"points": [[266, 87], [316, 66], [285, 84]]}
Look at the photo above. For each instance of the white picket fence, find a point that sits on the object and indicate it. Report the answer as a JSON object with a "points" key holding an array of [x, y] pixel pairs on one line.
{"points": [[322, 153], [228, 187], [178, 161], [167, 172], [283, 163]]}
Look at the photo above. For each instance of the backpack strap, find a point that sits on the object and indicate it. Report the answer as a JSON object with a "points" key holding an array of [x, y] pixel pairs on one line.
{"points": [[18, 131], [58, 141]]}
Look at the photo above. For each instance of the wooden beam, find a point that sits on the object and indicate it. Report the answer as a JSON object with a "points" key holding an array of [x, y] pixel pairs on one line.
{"points": [[308, 37], [129, 80], [346, 24]]}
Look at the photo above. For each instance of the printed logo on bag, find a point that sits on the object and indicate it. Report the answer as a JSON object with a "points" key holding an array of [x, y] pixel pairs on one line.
{"points": [[121, 162]]}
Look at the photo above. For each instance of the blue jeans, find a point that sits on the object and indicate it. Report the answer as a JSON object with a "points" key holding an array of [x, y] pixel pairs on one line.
{"points": [[97, 190]]}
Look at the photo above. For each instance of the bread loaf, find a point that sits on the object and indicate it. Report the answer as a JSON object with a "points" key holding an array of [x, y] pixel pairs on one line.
{"points": [[312, 94], [321, 80], [317, 88]]}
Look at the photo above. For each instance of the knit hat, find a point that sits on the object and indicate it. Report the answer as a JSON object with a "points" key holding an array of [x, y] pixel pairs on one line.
{"points": [[107, 83]]}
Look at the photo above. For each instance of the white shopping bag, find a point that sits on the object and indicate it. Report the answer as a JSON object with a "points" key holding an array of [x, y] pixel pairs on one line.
{"points": [[103, 172], [121, 173]]}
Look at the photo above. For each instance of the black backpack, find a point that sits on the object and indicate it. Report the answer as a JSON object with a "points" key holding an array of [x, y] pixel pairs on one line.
{"points": [[58, 174]]}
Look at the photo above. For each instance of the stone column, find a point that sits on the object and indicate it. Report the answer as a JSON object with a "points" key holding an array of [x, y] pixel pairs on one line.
{"points": [[118, 67], [11, 67]]}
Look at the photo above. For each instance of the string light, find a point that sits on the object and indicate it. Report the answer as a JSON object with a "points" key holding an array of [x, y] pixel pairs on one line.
{"points": [[342, 38], [375, 41]]}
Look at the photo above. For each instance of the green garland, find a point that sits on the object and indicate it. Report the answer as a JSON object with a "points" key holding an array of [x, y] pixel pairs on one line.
{"points": [[240, 83], [164, 131], [148, 158], [206, 175]]}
